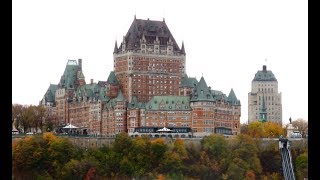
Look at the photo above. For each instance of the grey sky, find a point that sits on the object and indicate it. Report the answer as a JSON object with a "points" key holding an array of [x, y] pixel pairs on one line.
{"points": [[226, 41]]}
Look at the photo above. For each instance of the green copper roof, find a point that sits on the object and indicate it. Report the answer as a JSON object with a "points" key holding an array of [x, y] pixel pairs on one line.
{"points": [[112, 79], [134, 103], [120, 97], [232, 98], [110, 104], [69, 76], [188, 82], [142, 105], [103, 94], [92, 91], [169, 103], [202, 92], [51, 92], [264, 75]]}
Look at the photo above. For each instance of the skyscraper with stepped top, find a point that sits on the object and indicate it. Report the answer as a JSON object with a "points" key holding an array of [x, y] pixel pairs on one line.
{"points": [[264, 100]]}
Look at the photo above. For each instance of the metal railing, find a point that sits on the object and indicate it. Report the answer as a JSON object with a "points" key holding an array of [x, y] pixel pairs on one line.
{"points": [[286, 157]]}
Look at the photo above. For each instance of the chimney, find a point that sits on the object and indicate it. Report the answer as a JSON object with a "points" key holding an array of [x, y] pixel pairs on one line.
{"points": [[91, 81], [264, 68], [80, 63]]}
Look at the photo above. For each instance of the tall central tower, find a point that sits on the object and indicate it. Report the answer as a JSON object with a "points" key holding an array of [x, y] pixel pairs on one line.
{"points": [[149, 62], [264, 101]]}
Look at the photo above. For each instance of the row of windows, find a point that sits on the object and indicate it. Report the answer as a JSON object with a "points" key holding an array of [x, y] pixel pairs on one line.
{"points": [[148, 59], [270, 117], [266, 90], [266, 84]]}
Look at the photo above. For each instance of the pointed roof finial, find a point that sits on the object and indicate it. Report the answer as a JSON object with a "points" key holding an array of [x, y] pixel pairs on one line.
{"points": [[115, 48], [164, 20], [182, 49], [135, 16]]}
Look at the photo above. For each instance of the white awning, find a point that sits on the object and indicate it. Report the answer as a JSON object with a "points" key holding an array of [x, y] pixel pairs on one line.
{"points": [[70, 126], [164, 129]]}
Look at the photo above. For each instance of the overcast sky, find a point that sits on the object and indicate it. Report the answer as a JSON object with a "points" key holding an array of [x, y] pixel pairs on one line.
{"points": [[226, 41]]}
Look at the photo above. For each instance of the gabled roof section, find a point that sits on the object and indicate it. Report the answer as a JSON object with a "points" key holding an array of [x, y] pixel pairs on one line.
{"points": [[51, 93], [120, 97], [92, 91], [169, 103], [142, 105], [112, 79], [188, 82], [202, 85], [69, 76], [102, 83], [216, 92], [81, 76], [202, 92], [150, 29], [232, 98], [111, 104], [134, 103], [103, 94], [264, 75]]}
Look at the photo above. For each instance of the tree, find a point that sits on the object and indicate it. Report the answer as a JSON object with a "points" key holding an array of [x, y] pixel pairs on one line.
{"points": [[264, 130], [246, 150], [122, 144], [50, 123], [301, 125], [244, 128], [17, 111], [24, 158], [27, 118], [83, 169], [173, 161], [139, 156], [255, 129], [237, 169], [302, 166], [270, 159], [215, 155], [272, 130], [41, 117]]}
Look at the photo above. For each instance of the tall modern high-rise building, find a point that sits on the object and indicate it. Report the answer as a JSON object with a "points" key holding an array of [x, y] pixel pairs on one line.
{"points": [[264, 100]]}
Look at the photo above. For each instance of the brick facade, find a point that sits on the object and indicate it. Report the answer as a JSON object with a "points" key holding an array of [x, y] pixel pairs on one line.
{"points": [[148, 87]]}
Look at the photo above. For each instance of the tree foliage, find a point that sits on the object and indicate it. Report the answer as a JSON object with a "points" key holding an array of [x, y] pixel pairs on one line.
{"points": [[301, 165], [51, 157], [29, 116], [245, 155], [17, 110], [264, 130], [301, 125]]}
